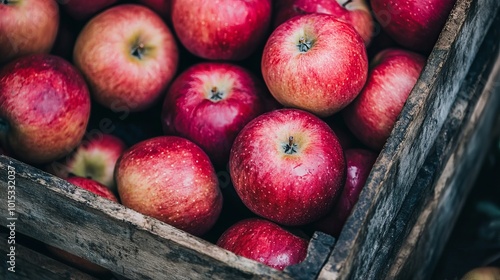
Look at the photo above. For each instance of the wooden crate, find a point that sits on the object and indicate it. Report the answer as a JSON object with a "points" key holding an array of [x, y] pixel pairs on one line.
{"points": [[396, 230]]}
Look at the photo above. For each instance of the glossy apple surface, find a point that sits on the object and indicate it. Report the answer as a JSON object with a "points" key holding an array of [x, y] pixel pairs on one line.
{"points": [[373, 114], [221, 30], [415, 24], [44, 108], [287, 166], [359, 164], [210, 103], [27, 27], [170, 178], [128, 55], [354, 12], [316, 63], [265, 242]]}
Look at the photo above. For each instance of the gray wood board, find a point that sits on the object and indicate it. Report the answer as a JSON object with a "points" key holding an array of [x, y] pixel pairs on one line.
{"points": [[355, 255]]}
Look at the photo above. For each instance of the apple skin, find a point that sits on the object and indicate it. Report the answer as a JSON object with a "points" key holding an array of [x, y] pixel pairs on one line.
{"points": [[415, 25], [92, 186], [162, 7], [356, 13], [212, 120], [359, 164], [44, 108], [83, 9], [289, 186], [322, 79], [27, 27], [221, 30], [128, 55], [373, 114], [265, 242], [93, 158], [179, 185]]}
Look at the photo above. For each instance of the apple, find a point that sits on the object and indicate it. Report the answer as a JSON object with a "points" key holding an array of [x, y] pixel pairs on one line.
{"points": [[27, 27], [93, 186], [287, 166], [93, 158], [83, 9], [128, 55], [265, 242], [372, 115], [359, 164], [44, 108], [161, 7], [316, 63], [221, 30], [209, 103], [81, 263], [171, 179], [354, 12], [416, 24]]}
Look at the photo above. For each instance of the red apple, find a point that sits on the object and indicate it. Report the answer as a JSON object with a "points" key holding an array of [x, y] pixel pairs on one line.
{"points": [[372, 115], [93, 158], [359, 164], [128, 56], [170, 178], [161, 7], [415, 24], [81, 263], [265, 242], [84, 9], [27, 27], [221, 30], [316, 63], [44, 108], [354, 12], [92, 186], [210, 103], [287, 166]]}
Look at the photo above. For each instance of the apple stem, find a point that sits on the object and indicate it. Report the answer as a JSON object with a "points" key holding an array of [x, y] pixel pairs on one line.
{"points": [[216, 94], [138, 50], [304, 45], [290, 147], [346, 2]]}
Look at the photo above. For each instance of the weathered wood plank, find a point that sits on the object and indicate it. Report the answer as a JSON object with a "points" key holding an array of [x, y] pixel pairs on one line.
{"points": [[319, 249], [33, 265], [355, 254], [445, 145], [450, 190], [107, 233]]}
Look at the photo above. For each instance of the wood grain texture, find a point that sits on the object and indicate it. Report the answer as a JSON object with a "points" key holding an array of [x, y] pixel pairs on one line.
{"points": [[126, 242], [33, 265], [369, 234], [418, 255]]}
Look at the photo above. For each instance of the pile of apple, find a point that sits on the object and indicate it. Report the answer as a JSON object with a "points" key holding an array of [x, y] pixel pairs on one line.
{"points": [[290, 101]]}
